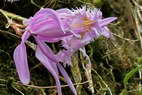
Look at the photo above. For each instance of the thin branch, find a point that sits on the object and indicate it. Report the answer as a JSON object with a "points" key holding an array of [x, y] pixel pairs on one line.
{"points": [[18, 90], [13, 16], [33, 2], [9, 33], [103, 82], [124, 38], [136, 4], [50, 87]]}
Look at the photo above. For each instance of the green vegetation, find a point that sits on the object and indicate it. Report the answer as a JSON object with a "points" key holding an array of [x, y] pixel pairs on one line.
{"points": [[116, 63]]}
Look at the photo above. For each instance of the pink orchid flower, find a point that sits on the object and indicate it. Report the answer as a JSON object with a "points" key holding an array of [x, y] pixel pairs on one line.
{"points": [[87, 24], [44, 26], [75, 28]]}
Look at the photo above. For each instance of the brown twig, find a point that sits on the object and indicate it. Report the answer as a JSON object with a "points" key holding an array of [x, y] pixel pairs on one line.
{"points": [[50, 87]]}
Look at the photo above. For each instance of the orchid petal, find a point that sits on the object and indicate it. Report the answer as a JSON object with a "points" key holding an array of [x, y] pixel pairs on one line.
{"points": [[47, 23], [20, 58], [46, 50], [106, 33], [64, 10], [53, 14], [97, 14], [25, 36], [46, 39], [46, 62], [64, 73], [65, 56], [106, 21], [95, 32]]}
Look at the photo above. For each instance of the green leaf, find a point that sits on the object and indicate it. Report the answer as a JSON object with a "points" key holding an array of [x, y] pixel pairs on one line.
{"points": [[124, 92], [130, 74], [140, 92]]}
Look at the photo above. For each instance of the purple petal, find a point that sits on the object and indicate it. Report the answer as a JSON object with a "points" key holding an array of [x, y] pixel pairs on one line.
{"points": [[47, 22], [39, 18], [106, 21], [65, 56], [47, 39], [48, 28], [46, 50], [106, 33], [20, 59], [96, 14], [95, 32], [77, 22], [64, 10], [101, 31], [53, 14], [47, 63], [76, 43], [25, 36], [64, 73]]}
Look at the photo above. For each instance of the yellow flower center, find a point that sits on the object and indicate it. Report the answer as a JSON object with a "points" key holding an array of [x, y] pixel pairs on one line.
{"points": [[86, 24]]}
